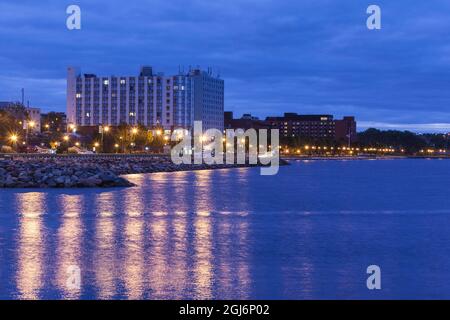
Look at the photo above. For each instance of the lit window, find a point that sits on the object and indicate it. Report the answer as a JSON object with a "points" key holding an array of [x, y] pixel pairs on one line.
{"points": [[122, 81], [105, 82], [88, 114], [78, 95]]}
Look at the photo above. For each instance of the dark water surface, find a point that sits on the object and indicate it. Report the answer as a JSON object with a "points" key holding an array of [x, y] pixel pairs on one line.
{"points": [[308, 232]]}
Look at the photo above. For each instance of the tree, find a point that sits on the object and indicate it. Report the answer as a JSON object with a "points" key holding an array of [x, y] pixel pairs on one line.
{"points": [[409, 141]]}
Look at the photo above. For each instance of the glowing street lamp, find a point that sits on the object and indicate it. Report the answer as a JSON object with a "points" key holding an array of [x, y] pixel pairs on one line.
{"points": [[73, 128], [103, 130], [66, 138], [134, 131], [13, 138]]}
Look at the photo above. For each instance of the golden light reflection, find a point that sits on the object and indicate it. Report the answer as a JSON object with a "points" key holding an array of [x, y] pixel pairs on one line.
{"points": [[105, 258], [31, 204], [203, 191], [133, 204], [203, 272], [30, 251], [157, 264], [233, 276], [71, 205], [179, 261], [179, 192], [243, 272], [69, 243], [133, 275], [105, 204]]}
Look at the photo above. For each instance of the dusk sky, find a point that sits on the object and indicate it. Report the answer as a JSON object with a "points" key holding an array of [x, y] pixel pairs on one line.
{"points": [[275, 55]]}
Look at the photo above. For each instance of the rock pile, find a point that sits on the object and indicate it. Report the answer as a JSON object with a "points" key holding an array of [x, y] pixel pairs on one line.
{"points": [[91, 171]]}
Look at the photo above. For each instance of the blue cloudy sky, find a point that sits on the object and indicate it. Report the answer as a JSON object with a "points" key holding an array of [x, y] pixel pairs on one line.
{"points": [[306, 56]]}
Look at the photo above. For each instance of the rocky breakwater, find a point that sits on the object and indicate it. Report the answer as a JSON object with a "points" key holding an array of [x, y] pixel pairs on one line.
{"points": [[51, 173], [88, 171]]}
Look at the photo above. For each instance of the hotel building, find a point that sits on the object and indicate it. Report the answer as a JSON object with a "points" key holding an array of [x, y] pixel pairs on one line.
{"points": [[148, 99], [293, 125]]}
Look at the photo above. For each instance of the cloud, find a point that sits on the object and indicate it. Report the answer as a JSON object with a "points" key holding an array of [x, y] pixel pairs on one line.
{"points": [[275, 56]]}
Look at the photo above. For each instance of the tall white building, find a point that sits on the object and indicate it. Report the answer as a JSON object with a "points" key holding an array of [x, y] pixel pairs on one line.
{"points": [[152, 100]]}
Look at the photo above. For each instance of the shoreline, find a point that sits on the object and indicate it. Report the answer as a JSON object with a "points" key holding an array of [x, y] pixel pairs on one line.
{"points": [[341, 158], [89, 171]]}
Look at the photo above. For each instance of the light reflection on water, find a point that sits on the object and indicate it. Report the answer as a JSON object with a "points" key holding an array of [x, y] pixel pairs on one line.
{"points": [[69, 238], [30, 246], [130, 246], [232, 234]]}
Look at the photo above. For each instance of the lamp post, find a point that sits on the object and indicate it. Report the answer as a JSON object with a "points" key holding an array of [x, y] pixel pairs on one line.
{"points": [[103, 130], [29, 125], [134, 132]]}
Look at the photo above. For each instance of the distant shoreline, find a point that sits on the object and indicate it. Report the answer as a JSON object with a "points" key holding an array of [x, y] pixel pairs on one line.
{"points": [[337, 158]]}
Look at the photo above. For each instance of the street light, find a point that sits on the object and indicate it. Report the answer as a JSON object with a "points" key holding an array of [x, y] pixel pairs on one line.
{"points": [[29, 125], [73, 128], [134, 131], [13, 138], [103, 130], [66, 138]]}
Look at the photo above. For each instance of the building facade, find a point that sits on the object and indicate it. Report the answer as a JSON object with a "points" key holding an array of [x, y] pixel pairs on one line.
{"points": [[34, 120], [148, 99], [346, 130], [31, 119], [54, 122], [293, 125], [247, 121]]}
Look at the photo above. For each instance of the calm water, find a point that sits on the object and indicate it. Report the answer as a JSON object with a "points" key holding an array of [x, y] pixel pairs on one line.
{"points": [[309, 232]]}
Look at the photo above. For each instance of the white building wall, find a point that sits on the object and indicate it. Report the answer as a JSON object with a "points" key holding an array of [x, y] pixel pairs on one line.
{"points": [[199, 96]]}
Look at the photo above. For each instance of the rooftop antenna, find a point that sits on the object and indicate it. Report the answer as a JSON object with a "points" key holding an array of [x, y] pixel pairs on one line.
{"points": [[23, 96]]}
